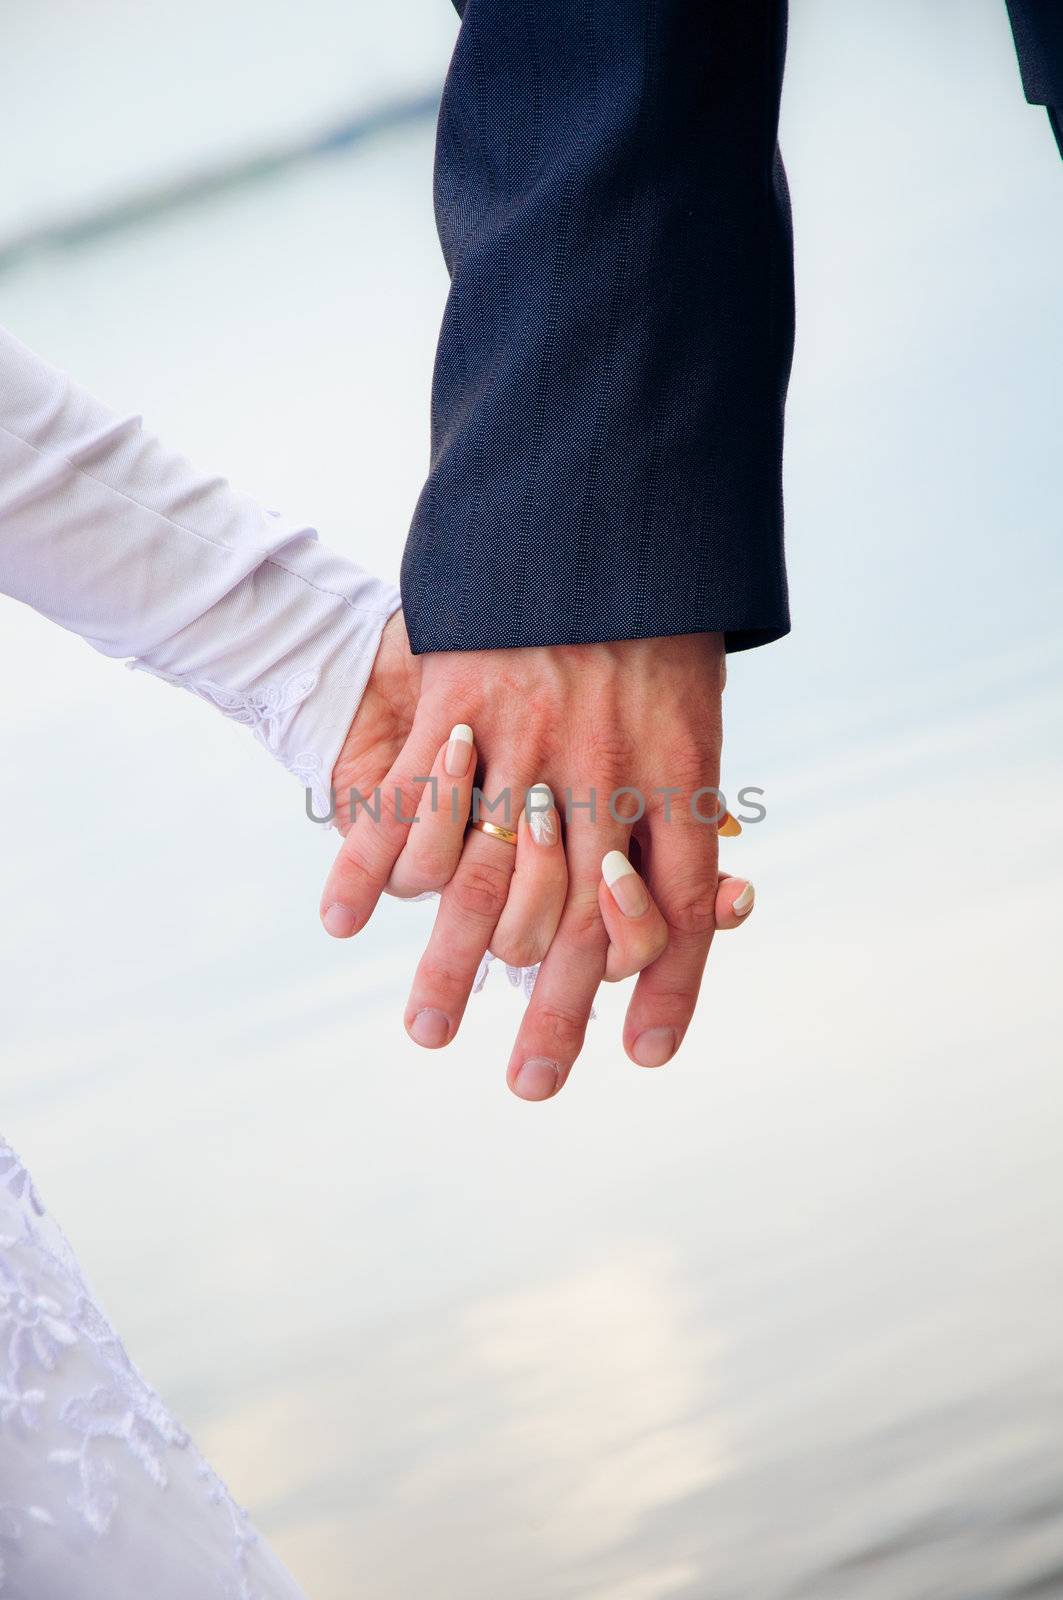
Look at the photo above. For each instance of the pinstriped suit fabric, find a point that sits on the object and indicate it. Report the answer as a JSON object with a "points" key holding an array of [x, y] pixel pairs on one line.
{"points": [[607, 407], [608, 396]]}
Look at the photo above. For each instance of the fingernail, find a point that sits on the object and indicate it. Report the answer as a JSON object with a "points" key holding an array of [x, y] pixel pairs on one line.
{"points": [[430, 1028], [744, 903], [340, 921], [542, 814], [728, 827], [459, 749], [537, 1079], [656, 1046], [625, 884]]}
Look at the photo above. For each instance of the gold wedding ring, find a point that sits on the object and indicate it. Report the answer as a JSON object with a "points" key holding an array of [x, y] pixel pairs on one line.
{"points": [[505, 834], [728, 828]]}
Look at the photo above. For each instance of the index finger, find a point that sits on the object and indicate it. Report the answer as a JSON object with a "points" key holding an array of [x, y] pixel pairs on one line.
{"points": [[683, 880], [379, 827], [552, 1031]]}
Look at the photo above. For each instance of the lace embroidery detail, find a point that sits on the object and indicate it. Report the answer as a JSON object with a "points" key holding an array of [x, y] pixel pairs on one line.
{"points": [[130, 1412], [33, 1323], [46, 1313], [306, 766], [14, 1176], [520, 977], [266, 710], [237, 1584]]}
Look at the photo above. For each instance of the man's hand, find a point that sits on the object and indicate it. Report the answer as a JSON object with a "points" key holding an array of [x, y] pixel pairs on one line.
{"points": [[627, 730]]}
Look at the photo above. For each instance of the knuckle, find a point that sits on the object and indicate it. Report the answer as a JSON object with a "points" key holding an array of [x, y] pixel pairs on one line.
{"points": [[673, 1003], [611, 754], [354, 864], [583, 917], [561, 1031], [690, 768], [399, 806], [541, 723], [692, 913], [438, 977], [524, 949], [430, 869], [693, 764], [479, 890]]}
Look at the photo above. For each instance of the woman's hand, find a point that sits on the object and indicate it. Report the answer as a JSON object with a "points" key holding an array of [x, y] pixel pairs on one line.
{"points": [[382, 723]]}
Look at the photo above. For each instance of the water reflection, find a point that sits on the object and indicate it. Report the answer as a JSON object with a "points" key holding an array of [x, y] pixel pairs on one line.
{"points": [[541, 1430]]}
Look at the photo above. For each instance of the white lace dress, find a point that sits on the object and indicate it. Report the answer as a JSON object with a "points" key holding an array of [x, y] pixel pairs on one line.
{"points": [[102, 1494]]}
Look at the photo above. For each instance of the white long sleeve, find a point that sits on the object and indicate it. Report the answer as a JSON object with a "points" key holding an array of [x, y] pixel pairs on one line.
{"points": [[124, 542]]}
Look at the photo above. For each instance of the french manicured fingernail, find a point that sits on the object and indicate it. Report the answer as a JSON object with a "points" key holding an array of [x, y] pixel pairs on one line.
{"points": [[430, 1028], [340, 921], [537, 1079], [459, 749], [744, 904], [542, 814], [728, 827], [656, 1046], [625, 885]]}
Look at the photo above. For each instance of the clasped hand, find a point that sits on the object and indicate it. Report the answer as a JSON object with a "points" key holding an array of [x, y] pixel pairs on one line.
{"points": [[603, 761]]}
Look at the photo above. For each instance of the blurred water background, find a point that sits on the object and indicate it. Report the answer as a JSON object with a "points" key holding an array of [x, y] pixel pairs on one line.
{"points": [[784, 1320]]}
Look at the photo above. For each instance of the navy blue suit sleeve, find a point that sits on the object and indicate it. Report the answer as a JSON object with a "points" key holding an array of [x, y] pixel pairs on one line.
{"points": [[607, 405], [1038, 29]]}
